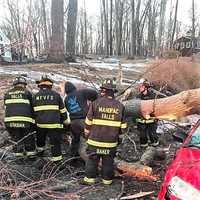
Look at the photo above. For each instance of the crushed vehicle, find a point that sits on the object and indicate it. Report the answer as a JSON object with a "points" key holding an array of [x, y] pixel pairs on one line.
{"points": [[182, 178]]}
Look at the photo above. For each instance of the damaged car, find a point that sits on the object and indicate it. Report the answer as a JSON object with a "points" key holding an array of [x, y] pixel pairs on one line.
{"points": [[182, 179]]}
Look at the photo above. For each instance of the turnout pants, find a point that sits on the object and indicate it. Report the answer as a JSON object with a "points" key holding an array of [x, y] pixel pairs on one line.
{"points": [[77, 130], [106, 155], [147, 131], [55, 141], [26, 145]]}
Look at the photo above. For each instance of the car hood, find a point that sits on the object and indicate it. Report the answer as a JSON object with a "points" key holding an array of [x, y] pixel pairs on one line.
{"points": [[186, 166]]}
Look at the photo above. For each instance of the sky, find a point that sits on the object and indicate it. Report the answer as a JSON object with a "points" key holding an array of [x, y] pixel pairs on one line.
{"points": [[92, 7], [183, 14]]}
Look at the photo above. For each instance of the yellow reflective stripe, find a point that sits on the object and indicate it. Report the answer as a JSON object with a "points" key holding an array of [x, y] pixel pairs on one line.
{"points": [[88, 122], [56, 158], [106, 122], [30, 153], [107, 182], [46, 107], [89, 180], [145, 121], [124, 125], [19, 118], [19, 154], [50, 125], [64, 110], [102, 144], [12, 101]]}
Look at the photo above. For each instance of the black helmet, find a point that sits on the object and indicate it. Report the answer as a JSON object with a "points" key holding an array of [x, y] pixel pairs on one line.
{"points": [[109, 84], [19, 80], [45, 80]]}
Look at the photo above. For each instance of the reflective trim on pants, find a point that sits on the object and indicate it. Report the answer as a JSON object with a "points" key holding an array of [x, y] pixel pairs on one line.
{"points": [[30, 153], [50, 125], [19, 154], [56, 158], [107, 182], [89, 180]]}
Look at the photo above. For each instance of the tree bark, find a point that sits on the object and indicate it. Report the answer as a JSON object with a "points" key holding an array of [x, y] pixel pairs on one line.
{"points": [[133, 30], [105, 27], [56, 53], [111, 20], [170, 108], [174, 26], [71, 27], [44, 17]]}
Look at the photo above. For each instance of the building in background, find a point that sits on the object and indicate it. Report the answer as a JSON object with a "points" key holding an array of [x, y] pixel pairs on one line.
{"points": [[184, 45], [5, 48]]}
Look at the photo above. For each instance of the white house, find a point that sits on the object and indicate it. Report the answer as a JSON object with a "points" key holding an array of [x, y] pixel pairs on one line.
{"points": [[5, 48]]}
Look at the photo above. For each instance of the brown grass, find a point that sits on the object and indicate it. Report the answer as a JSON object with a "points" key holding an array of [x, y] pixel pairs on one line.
{"points": [[178, 74]]}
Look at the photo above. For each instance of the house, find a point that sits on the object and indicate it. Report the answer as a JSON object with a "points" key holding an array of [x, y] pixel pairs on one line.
{"points": [[184, 45], [5, 48]]}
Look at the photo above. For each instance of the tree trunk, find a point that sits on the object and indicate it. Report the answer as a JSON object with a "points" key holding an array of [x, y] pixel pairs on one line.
{"points": [[46, 40], [105, 27], [71, 27], [111, 19], [180, 105], [56, 53], [163, 5], [174, 26], [133, 30]]}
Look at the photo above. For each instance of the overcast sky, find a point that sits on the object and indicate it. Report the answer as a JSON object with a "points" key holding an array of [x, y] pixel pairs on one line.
{"points": [[93, 8]]}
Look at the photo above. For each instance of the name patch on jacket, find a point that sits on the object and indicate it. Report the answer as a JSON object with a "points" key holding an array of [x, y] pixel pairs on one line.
{"points": [[108, 112], [45, 97]]}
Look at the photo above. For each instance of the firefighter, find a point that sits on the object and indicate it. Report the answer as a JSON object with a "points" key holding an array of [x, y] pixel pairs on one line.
{"points": [[76, 102], [19, 118], [104, 124], [146, 126], [50, 114]]}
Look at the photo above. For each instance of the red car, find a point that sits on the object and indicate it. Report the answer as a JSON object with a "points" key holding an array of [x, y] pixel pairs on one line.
{"points": [[182, 179]]}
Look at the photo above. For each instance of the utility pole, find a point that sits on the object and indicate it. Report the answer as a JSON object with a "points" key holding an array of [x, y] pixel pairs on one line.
{"points": [[193, 30]]}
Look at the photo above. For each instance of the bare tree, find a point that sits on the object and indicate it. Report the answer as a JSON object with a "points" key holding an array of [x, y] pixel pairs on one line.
{"points": [[175, 23], [56, 53], [71, 26], [44, 21]]}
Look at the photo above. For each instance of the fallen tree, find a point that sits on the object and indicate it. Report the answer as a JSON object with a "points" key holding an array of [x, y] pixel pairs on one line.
{"points": [[170, 108]]}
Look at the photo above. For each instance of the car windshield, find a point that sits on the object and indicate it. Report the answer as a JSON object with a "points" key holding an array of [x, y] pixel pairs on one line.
{"points": [[195, 139]]}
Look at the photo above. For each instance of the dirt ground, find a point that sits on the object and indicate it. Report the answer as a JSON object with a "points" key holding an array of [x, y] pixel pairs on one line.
{"points": [[37, 179]]}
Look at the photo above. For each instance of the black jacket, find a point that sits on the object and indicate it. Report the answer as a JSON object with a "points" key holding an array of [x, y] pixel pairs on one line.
{"points": [[49, 109], [105, 120], [76, 100], [18, 108]]}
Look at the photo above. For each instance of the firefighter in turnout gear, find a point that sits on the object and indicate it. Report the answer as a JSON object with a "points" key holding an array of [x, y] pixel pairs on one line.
{"points": [[50, 114], [104, 123], [19, 117], [146, 126]]}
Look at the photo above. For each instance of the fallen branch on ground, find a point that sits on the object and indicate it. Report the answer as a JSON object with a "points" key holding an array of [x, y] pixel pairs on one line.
{"points": [[138, 195]]}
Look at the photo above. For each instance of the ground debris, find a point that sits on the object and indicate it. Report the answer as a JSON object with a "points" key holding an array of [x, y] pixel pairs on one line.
{"points": [[138, 195]]}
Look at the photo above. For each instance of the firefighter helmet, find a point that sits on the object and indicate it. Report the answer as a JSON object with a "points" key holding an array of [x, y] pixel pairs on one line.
{"points": [[109, 84], [144, 82], [45, 80], [19, 80]]}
